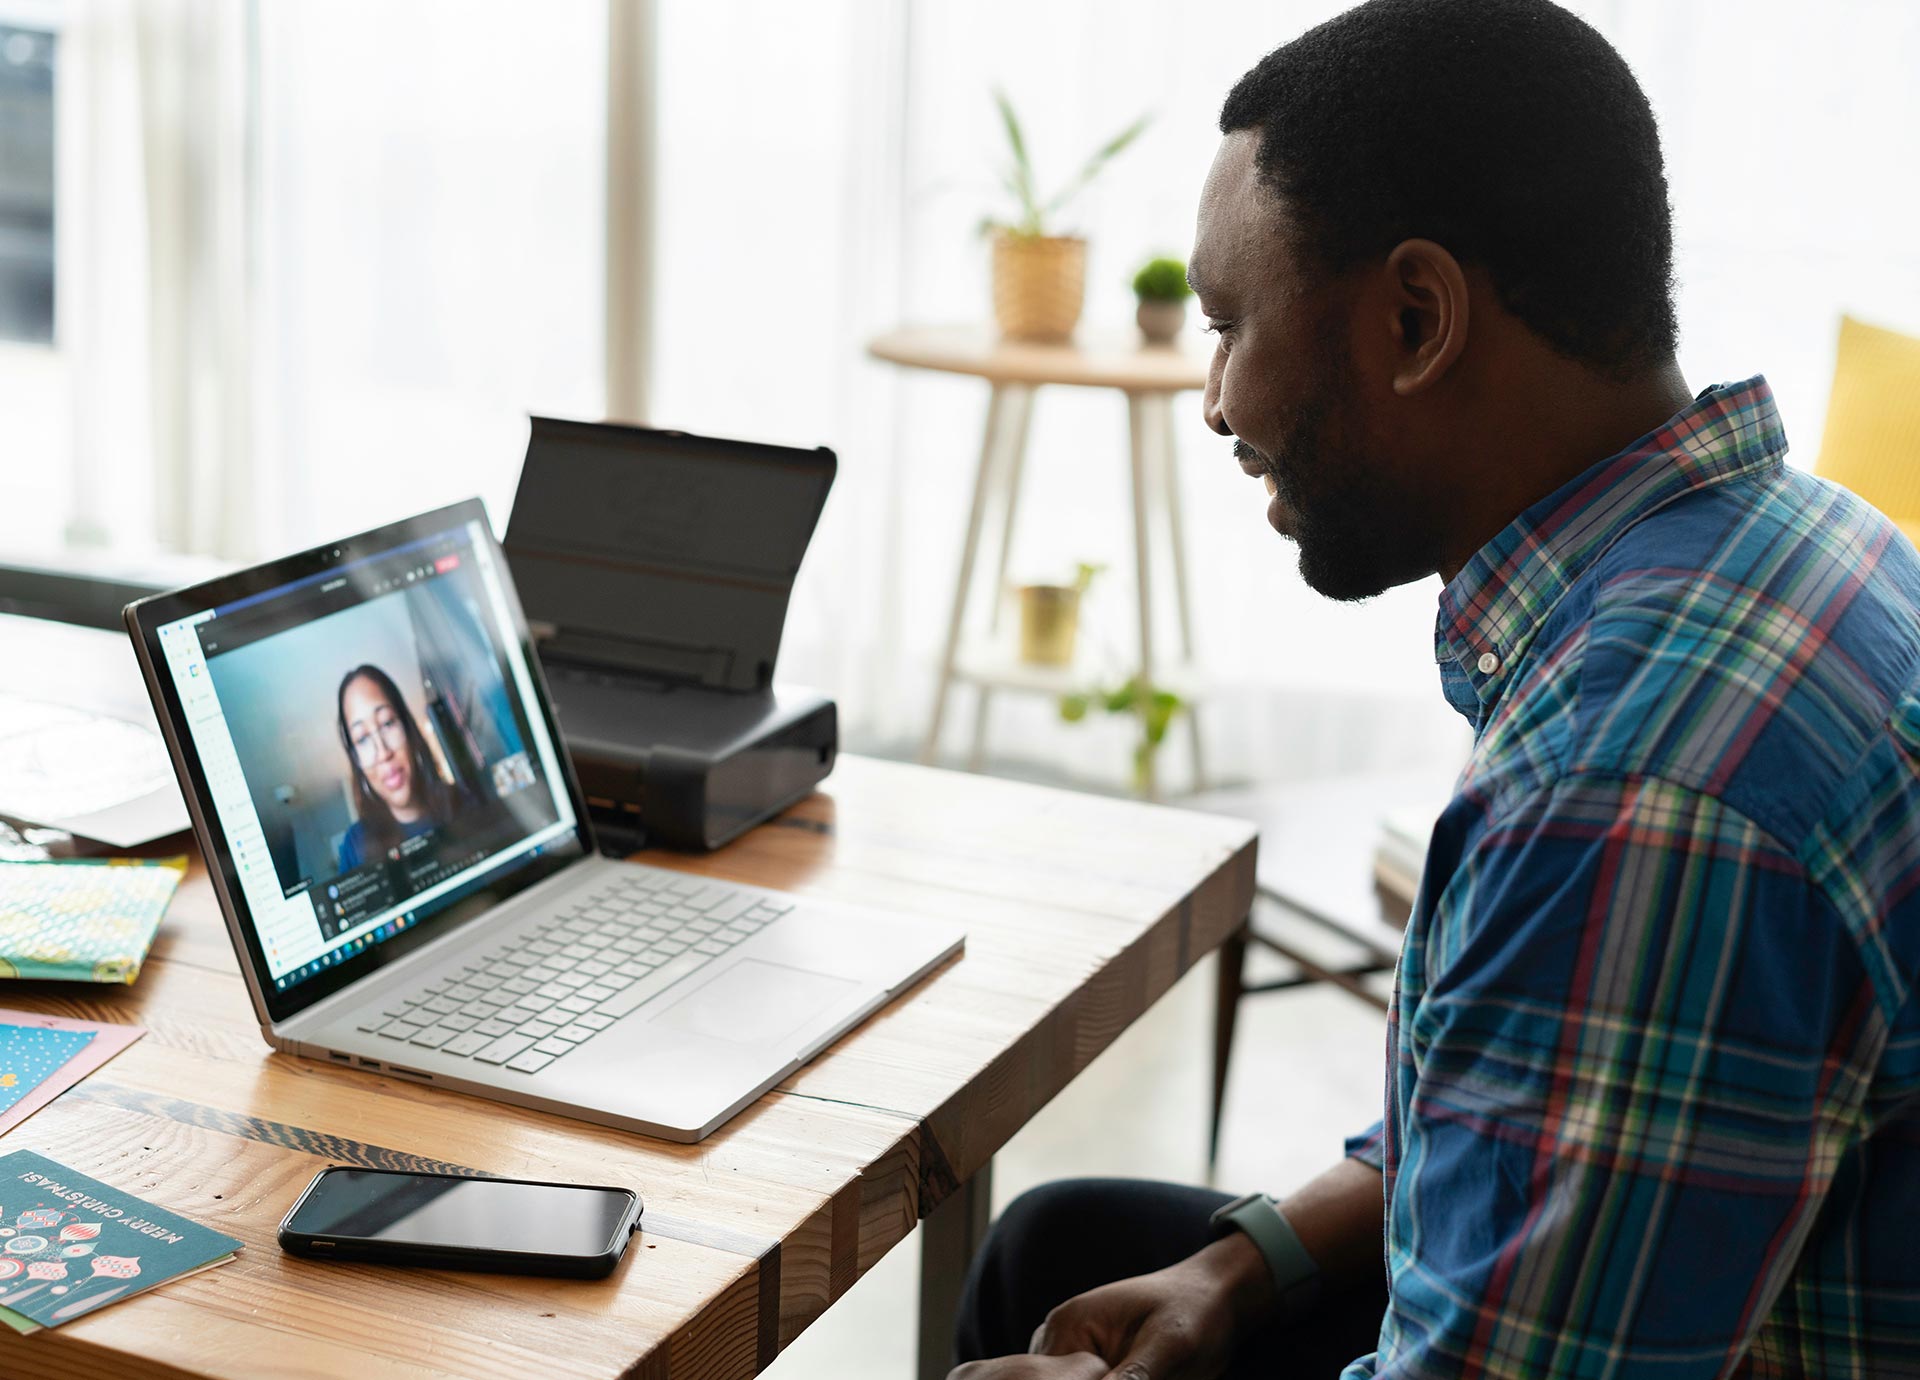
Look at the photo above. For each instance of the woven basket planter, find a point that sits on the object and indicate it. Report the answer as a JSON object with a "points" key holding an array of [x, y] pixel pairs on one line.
{"points": [[1039, 282]]}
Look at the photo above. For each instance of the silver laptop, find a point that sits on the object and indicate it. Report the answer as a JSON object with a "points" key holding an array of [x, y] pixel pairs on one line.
{"points": [[404, 860]]}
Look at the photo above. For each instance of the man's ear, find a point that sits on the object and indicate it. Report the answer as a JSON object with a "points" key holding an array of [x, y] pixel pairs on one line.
{"points": [[1428, 302]]}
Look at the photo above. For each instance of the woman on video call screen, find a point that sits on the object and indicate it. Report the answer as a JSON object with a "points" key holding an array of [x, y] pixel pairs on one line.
{"points": [[397, 789]]}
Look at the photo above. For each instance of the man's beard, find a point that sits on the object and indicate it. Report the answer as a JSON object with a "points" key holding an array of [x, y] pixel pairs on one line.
{"points": [[1330, 491]]}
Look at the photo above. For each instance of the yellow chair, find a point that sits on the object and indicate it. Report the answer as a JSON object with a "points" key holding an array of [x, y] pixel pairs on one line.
{"points": [[1872, 441]]}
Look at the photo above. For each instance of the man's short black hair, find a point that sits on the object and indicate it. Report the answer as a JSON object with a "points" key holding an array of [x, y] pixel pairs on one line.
{"points": [[1508, 131]]}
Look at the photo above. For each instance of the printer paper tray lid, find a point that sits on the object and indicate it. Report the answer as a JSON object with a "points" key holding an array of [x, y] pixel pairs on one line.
{"points": [[661, 552]]}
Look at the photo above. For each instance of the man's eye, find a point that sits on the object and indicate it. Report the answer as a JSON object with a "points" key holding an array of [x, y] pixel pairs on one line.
{"points": [[1223, 329]]}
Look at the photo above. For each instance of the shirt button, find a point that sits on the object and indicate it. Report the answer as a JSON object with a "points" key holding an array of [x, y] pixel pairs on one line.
{"points": [[1489, 663]]}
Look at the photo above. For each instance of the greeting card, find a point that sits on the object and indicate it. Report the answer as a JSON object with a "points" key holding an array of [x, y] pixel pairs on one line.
{"points": [[69, 1244]]}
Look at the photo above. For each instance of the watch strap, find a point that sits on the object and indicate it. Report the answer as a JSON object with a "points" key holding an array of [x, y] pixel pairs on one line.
{"points": [[1295, 1274]]}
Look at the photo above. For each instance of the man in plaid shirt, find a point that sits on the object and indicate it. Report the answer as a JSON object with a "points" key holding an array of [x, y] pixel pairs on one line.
{"points": [[1653, 1092]]}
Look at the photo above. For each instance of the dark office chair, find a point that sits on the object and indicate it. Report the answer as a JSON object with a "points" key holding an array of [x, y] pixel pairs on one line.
{"points": [[1317, 842]]}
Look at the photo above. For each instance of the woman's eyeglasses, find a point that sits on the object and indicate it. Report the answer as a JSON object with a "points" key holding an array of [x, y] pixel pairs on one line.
{"points": [[366, 743]]}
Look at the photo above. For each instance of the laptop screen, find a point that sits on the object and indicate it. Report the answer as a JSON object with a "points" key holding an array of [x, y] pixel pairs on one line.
{"points": [[371, 743]]}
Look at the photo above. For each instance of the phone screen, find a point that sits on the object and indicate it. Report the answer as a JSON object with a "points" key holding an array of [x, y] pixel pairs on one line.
{"points": [[471, 1214]]}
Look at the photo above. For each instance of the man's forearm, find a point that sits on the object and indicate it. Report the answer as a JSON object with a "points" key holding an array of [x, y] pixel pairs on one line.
{"points": [[1340, 1217]]}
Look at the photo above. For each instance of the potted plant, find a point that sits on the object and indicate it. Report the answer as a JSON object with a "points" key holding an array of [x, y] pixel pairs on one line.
{"points": [[1156, 715], [1039, 278], [1161, 286], [1050, 619]]}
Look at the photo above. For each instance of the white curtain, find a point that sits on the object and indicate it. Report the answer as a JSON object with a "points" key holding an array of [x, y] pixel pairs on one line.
{"points": [[316, 265], [154, 256], [430, 250], [822, 168]]}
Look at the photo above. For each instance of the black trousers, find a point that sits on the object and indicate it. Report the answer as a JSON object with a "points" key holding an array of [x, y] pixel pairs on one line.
{"points": [[1068, 1237]]}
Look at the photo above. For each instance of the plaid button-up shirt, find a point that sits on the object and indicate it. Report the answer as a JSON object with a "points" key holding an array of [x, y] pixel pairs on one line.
{"points": [[1653, 1096]]}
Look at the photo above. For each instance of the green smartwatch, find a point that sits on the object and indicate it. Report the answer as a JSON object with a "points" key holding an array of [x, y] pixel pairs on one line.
{"points": [[1294, 1272]]}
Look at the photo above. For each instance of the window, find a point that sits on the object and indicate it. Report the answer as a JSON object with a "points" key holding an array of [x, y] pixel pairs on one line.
{"points": [[27, 61]]}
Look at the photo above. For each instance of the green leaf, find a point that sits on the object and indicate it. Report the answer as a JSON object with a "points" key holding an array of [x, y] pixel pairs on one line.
{"points": [[1159, 714], [1020, 180], [1099, 160], [1073, 708]]}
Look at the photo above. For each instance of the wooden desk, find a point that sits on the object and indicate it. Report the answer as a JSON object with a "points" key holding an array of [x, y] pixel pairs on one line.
{"points": [[1080, 912], [1149, 376]]}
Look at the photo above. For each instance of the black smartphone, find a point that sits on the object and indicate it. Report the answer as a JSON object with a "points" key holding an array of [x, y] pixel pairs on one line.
{"points": [[456, 1223]]}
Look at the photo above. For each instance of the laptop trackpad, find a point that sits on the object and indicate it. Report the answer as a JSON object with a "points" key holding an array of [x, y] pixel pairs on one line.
{"points": [[754, 1003]]}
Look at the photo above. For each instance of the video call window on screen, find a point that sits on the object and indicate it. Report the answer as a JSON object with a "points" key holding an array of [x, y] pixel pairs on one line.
{"points": [[380, 742]]}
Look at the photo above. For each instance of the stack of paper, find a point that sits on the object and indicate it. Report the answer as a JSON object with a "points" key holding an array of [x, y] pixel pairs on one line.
{"points": [[69, 1244]]}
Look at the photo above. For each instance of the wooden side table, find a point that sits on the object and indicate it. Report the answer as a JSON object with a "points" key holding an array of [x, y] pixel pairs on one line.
{"points": [[1149, 376]]}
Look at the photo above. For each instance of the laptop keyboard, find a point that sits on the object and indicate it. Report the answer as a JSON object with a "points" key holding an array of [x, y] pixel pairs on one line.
{"points": [[558, 985]]}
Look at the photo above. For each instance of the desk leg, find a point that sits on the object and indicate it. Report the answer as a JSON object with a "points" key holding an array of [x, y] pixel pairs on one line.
{"points": [[982, 486], [948, 1241]]}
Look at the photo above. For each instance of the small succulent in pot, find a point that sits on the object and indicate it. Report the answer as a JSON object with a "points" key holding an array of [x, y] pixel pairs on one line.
{"points": [[1161, 286]]}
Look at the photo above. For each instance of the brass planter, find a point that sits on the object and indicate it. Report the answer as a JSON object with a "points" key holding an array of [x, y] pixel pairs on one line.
{"points": [[1049, 623], [1039, 284]]}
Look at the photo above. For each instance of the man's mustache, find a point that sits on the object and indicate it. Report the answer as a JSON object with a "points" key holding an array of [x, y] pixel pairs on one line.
{"points": [[1247, 454]]}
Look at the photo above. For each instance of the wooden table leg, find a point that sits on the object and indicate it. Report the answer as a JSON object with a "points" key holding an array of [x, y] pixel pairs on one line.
{"points": [[948, 1240], [1014, 450], [1018, 417], [1169, 452], [1140, 433], [982, 485]]}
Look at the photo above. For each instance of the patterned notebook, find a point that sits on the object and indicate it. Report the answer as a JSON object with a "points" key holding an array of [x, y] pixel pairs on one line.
{"points": [[85, 921]]}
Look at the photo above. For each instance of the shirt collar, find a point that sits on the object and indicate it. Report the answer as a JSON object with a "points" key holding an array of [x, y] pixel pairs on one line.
{"points": [[1491, 610]]}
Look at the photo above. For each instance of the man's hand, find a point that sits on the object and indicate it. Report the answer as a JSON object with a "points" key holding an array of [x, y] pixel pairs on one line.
{"points": [[1180, 1323], [1184, 1322], [1078, 1367]]}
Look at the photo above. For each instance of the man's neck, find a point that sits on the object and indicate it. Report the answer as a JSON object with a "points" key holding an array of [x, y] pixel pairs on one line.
{"points": [[1568, 420]]}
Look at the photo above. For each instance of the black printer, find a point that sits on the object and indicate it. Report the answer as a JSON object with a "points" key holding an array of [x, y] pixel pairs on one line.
{"points": [[655, 568]]}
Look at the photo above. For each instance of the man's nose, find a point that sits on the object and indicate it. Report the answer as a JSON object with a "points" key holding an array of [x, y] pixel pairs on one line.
{"points": [[1210, 400]]}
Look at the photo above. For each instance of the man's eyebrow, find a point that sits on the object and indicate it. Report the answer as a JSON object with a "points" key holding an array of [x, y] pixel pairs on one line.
{"points": [[1195, 281]]}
